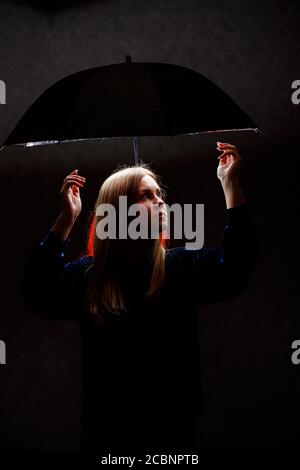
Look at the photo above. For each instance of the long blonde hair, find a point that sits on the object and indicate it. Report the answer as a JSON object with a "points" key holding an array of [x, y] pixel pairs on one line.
{"points": [[105, 293]]}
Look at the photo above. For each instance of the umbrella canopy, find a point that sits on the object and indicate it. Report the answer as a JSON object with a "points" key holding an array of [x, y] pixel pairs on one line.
{"points": [[128, 99]]}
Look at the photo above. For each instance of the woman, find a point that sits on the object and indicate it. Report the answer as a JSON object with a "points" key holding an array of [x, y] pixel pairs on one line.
{"points": [[136, 302]]}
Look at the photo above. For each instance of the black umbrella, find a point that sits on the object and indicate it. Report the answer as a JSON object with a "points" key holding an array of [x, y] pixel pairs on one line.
{"points": [[128, 99]]}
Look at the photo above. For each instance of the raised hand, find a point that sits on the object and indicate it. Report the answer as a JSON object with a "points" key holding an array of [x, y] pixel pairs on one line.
{"points": [[70, 201], [229, 162]]}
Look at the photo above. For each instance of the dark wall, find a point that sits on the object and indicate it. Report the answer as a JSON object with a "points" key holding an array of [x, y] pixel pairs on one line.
{"points": [[251, 50]]}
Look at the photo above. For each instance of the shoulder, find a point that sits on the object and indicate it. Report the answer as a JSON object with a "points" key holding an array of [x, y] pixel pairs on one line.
{"points": [[174, 255], [183, 258]]}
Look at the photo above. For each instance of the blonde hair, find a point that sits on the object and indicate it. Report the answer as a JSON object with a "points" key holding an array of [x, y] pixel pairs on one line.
{"points": [[105, 292]]}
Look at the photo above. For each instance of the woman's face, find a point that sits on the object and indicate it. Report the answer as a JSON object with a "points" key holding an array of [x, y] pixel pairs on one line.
{"points": [[150, 195]]}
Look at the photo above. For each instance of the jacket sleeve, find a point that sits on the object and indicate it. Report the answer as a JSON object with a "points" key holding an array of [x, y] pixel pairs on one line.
{"points": [[50, 286], [217, 275]]}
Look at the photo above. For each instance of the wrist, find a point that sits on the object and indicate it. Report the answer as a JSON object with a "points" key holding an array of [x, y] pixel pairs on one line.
{"points": [[66, 219], [231, 182], [233, 193], [62, 226]]}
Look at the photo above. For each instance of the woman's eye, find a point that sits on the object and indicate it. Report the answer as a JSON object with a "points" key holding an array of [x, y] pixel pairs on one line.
{"points": [[146, 196]]}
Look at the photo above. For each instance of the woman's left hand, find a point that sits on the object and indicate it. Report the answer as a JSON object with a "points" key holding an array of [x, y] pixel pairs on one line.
{"points": [[229, 162]]}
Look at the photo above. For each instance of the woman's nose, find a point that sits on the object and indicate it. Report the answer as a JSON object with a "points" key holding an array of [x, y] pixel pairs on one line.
{"points": [[159, 200]]}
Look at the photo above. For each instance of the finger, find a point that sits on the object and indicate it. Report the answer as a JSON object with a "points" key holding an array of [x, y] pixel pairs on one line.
{"points": [[234, 153], [224, 144], [66, 186], [75, 177], [231, 149], [222, 159], [228, 153], [226, 147], [75, 190], [70, 183]]}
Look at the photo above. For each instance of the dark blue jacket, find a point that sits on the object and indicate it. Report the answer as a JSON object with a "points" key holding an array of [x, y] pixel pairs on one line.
{"points": [[140, 372]]}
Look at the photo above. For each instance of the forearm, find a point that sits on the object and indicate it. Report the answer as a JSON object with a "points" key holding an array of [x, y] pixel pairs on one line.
{"points": [[233, 192], [62, 227]]}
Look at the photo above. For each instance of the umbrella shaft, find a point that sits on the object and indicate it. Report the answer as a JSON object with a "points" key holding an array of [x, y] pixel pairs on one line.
{"points": [[135, 150]]}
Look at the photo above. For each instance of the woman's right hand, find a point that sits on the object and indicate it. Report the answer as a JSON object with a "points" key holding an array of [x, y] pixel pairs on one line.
{"points": [[70, 202]]}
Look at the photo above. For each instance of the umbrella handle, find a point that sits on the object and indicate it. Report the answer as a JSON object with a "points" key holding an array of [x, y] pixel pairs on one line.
{"points": [[135, 150]]}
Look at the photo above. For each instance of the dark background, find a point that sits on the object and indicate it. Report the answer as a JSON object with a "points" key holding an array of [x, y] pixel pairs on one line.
{"points": [[251, 49]]}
